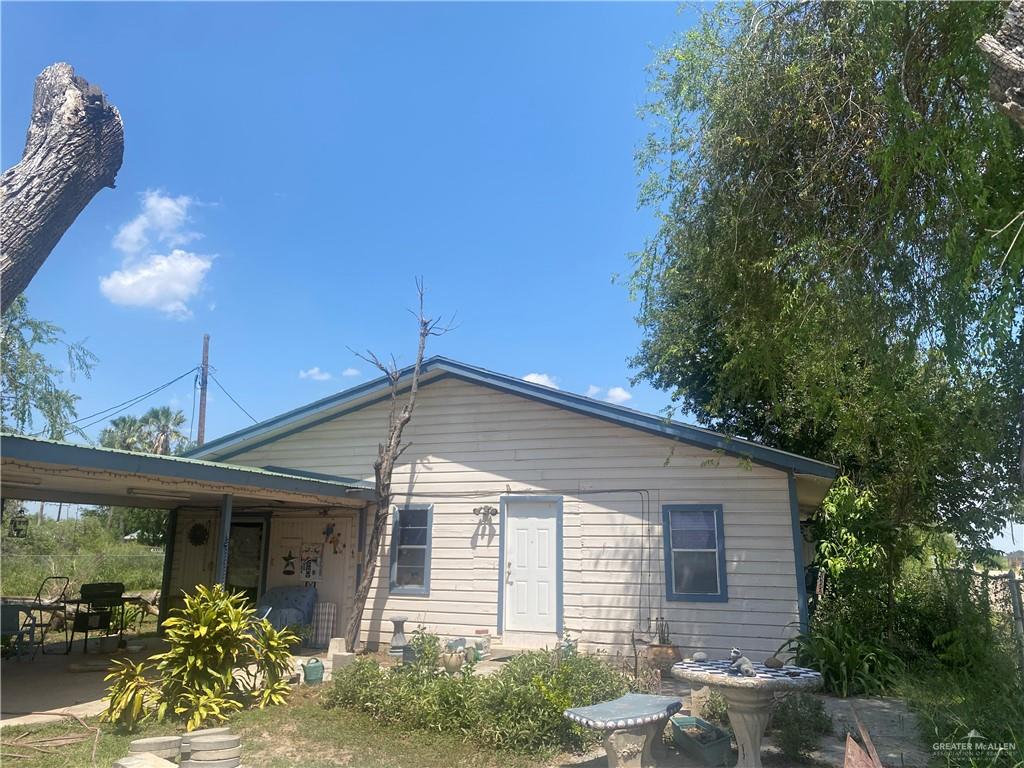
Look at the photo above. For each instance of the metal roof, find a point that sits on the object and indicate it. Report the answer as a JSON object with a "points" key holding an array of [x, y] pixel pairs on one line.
{"points": [[51, 470], [439, 368]]}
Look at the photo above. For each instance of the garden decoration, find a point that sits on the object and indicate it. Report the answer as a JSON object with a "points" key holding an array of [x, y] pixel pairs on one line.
{"points": [[740, 663], [662, 654], [452, 660], [398, 636], [632, 726], [701, 740], [748, 697], [312, 672]]}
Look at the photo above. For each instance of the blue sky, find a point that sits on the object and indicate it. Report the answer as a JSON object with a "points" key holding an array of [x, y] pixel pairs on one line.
{"points": [[289, 170]]}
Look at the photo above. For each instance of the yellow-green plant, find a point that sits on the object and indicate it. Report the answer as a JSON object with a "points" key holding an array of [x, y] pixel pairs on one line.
{"points": [[131, 695], [219, 659], [206, 704], [208, 639], [270, 649]]}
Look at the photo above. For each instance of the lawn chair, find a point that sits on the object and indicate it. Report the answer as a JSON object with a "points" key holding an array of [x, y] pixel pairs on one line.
{"points": [[52, 598], [13, 626], [100, 608]]}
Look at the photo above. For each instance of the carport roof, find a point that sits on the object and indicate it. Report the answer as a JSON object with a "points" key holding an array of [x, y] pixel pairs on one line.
{"points": [[50, 470]]}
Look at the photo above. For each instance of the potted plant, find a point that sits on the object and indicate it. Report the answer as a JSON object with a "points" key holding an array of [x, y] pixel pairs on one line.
{"points": [[662, 654], [701, 740]]}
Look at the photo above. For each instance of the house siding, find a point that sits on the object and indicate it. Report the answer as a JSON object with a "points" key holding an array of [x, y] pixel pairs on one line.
{"points": [[470, 445]]}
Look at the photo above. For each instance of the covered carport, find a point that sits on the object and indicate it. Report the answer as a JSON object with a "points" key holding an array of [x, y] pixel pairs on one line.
{"points": [[33, 469], [199, 495]]}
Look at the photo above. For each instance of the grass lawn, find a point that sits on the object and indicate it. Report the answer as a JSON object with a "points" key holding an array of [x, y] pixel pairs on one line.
{"points": [[299, 733]]}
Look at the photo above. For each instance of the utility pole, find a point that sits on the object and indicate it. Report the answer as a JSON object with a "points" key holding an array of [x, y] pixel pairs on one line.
{"points": [[204, 372]]}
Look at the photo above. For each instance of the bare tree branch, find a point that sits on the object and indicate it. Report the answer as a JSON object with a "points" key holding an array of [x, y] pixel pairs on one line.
{"points": [[390, 450]]}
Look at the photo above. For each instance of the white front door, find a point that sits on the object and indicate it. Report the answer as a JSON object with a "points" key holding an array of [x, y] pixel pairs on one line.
{"points": [[531, 565]]}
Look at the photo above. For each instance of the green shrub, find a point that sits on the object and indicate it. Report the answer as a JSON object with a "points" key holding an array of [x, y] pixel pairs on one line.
{"points": [[519, 708], [714, 709], [83, 550], [798, 723], [219, 659], [132, 695], [952, 703], [849, 665]]}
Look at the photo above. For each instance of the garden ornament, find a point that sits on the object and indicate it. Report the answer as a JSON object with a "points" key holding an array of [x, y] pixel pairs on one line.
{"points": [[741, 663]]}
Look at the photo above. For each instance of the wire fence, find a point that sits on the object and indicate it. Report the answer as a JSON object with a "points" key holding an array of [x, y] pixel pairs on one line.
{"points": [[22, 574], [998, 595]]}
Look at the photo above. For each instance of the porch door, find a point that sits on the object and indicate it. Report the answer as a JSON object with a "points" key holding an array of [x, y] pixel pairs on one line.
{"points": [[531, 578], [245, 557]]}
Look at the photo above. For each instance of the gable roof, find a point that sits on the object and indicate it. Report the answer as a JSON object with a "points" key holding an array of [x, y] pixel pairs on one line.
{"points": [[439, 368]]}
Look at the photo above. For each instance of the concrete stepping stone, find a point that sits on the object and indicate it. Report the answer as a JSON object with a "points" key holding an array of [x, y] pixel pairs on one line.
{"points": [[186, 738], [160, 746], [143, 760], [214, 742], [230, 762]]}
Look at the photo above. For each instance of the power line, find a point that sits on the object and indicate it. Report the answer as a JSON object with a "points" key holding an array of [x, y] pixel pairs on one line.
{"points": [[113, 410], [254, 421]]}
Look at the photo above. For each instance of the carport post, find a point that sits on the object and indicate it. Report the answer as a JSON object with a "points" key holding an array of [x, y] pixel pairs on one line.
{"points": [[225, 534], [171, 532]]}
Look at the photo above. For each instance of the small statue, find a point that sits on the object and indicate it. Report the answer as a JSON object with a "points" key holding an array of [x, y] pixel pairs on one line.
{"points": [[700, 656], [741, 663], [773, 662]]}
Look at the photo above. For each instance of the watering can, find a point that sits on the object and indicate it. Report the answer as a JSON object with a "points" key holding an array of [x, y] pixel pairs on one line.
{"points": [[312, 672]]}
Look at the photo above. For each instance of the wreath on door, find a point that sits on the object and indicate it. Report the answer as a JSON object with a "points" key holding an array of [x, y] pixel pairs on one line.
{"points": [[198, 534]]}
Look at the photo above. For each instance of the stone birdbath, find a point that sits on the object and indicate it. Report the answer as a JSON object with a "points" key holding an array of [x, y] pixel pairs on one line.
{"points": [[749, 699], [631, 724]]}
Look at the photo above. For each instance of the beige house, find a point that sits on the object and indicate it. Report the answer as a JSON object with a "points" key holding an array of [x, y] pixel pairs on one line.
{"points": [[534, 514]]}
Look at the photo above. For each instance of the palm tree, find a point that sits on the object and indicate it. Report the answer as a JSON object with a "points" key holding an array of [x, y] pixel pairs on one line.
{"points": [[125, 432], [163, 429]]}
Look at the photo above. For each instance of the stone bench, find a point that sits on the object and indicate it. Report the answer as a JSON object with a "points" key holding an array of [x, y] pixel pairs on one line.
{"points": [[632, 726]]}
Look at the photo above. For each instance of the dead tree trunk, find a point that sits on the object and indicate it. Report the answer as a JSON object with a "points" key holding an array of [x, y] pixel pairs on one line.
{"points": [[1005, 52], [388, 453], [73, 150]]}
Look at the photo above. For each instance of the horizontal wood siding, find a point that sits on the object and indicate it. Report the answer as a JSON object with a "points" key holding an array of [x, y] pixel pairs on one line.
{"points": [[470, 445]]}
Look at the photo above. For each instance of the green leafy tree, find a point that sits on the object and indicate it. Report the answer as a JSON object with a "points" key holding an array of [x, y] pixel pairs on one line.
{"points": [[32, 384], [162, 426], [835, 272], [159, 430], [128, 433]]}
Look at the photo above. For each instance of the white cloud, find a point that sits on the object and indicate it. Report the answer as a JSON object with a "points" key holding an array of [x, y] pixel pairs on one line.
{"points": [[618, 395], [315, 374], [165, 283], [162, 217], [593, 390], [350, 372], [542, 378]]}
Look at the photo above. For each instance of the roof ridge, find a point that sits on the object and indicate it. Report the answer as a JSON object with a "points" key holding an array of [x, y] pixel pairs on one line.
{"points": [[306, 416]]}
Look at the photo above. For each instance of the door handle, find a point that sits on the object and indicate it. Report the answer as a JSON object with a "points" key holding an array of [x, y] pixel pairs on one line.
{"points": [[508, 572]]}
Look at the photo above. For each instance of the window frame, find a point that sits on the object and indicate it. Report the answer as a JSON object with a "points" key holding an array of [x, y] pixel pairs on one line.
{"points": [[396, 517], [722, 595]]}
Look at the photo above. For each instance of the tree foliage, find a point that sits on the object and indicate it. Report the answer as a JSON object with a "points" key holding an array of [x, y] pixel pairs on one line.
{"points": [[158, 430], [835, 272], [32, 384]]}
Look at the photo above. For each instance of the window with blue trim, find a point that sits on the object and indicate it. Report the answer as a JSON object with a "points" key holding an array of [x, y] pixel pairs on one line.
{"points": [[410, 549], [694, 553]]}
